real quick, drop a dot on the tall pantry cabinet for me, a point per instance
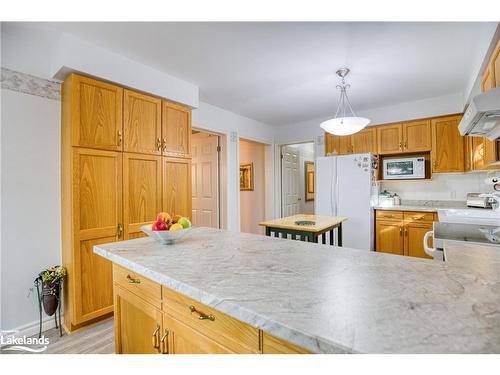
(124, 157)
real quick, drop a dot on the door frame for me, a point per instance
(221, 175)
(278, 181)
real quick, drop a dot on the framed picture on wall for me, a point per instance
(246, 177)
(309, 178)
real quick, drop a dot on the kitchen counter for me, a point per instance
(327, 299)
(422, 205)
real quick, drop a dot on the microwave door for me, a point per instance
(399, 169)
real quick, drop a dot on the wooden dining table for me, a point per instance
(306, 227)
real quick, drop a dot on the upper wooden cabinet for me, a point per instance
(176, 130)
(364, 141)
(390, 139)
(417, 136)
(141, 123)
(96, 113)
(447, 145)
(142, 192)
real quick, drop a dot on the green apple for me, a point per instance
(184, 221)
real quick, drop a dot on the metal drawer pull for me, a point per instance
(132, 280)
(154, 337)
(388, 215)
(164, 342)
(417, 217)
(201, 315)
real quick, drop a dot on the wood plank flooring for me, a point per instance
(97, 339)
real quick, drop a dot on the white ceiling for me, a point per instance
(281, 73)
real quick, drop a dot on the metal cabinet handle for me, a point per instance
(154, 337)
(164, 341)
(400, 231)
(164, 144)
(388, 215)
(406, 232)
(417, 218)
(201, 316)
(401, 146)
(405, 145)
(120, 138)
(119, 230)
(158, 144)
(132, 280)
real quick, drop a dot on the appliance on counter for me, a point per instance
(482, 117)
(470, 233)
(404, 168)
(347, 186)
(478, 200)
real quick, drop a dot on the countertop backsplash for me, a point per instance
(442, 187)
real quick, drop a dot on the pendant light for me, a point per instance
(345, 121)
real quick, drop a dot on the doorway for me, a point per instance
(297, 179)
(205, 175)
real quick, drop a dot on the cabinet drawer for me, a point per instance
(229, 332)
(137, 284)
(418, 216)
(274, 345)
(390, 215)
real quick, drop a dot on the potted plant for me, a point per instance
(51, 280)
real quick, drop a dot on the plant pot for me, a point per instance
(50, 296)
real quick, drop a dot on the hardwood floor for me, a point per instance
(97, 339)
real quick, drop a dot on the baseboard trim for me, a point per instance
(31, 329)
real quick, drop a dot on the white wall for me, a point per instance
(31, 223)
(252, 203)
(443, 186)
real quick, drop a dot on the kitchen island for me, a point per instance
(264, 293)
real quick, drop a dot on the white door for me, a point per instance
(205, 179)
(290, 181)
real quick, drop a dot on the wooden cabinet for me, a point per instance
(274, 345)
(390, 139)
(141, 123)
(364, 141)
(177, 186)
(338, 145)
(402, 233)
(95, 219)
(389, 237)
(96, 113)
(142, 192)
(114, 179)
(138, 324)
(417, 136)
(447, 145)
(176, 130)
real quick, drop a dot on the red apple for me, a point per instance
(159, 225)
(163, 216)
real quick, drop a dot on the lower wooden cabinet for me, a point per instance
(402, 233)
(151, 319)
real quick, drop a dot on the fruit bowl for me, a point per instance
(165, 237)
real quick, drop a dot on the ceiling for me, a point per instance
(282, 73)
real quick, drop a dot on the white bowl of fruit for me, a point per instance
(167, 229)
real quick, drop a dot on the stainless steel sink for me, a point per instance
(470, 216)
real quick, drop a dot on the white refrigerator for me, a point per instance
(347, 186)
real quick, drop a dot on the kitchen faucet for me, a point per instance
(495, 196)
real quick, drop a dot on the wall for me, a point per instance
(31, 227)
(252, 203)
(306, 153)
(443, 186)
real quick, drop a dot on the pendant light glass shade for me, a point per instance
(345, 121)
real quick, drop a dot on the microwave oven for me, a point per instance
(404, 168)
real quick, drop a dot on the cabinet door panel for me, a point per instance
(447, 145)
(343, 144)
(176, 130)
(97, 194)
(97, 111)
(142, 192)
(141, 123)
(389, 139)
(185, 340)
(137, 324)
(328, 144)
(414, 236)
(417, 136)
(177, 194)
(364, 141)
(389, 237)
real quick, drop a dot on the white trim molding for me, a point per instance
(28, 84)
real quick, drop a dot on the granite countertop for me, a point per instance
(327, 299)
(422, 205)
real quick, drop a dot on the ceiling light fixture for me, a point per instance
(345, 121)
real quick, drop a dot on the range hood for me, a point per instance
(482, 117)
